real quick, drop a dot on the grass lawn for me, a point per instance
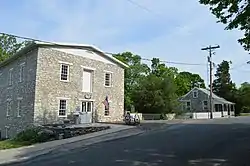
(8, 144)
(244, 114)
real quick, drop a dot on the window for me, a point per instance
(6, 132)
(62, 108)
(205, 105)
(188, 105)
(8, 109)
(10, 79)
(87, 106)
(87, 81)
(107, 81)
(195, 94)
(21, 73)
(64, 72)
(19, 107)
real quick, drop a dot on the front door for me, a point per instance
(86, 111)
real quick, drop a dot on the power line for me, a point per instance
(177, 63)
(143, 7)
(146, 59)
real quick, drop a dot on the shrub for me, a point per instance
(32, 135)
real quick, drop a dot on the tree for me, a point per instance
(133, 75)
(185, 81)
(244, 97)
(223, 85)
(9, 46)
(156, 93)
(234, 13)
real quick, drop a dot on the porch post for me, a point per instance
(222, 110)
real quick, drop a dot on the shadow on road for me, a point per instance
(191, 144)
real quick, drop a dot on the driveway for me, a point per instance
(195, 143)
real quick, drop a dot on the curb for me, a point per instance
(84, 142)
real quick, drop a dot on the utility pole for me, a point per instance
(210, 49)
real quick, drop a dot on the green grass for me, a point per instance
(8, 144)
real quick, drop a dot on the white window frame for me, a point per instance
(8, 107)
(21, 72)
(10, 77)
(188, 106)
(19, 106)
(195, 91)
(90, 69)
(203, 105)
(110, 78)
(86, 108)
(68, 70)
(66, 109)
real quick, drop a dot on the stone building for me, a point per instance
(49, 82)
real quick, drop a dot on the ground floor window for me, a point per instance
(6, 132)
(188, 105)
(62, 107)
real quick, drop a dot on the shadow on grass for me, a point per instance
(191, 144)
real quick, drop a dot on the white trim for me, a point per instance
(197, 95)
(10, 77)
(66, 109)
(86, 99)
(92, 106)
(195, 88)
(63, 98)
(88, 68)
(107, 71)
(7, 131)
(107, 116)
(66, 63)
(22, 64)
(21, 72)
(67, 72)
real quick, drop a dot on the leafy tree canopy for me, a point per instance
(9, 46)
(235, 14)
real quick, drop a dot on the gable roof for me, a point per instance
(37, 44)
(207, 92)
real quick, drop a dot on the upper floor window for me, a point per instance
(21, 72)
(108, 79)
(195, 94)
(10, 78)
(9, 106)
(64, 72)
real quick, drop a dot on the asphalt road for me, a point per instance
(198, 143)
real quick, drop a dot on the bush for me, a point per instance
(32, 135)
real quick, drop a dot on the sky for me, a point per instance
(170, 30)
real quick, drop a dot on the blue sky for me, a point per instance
(172, 31)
